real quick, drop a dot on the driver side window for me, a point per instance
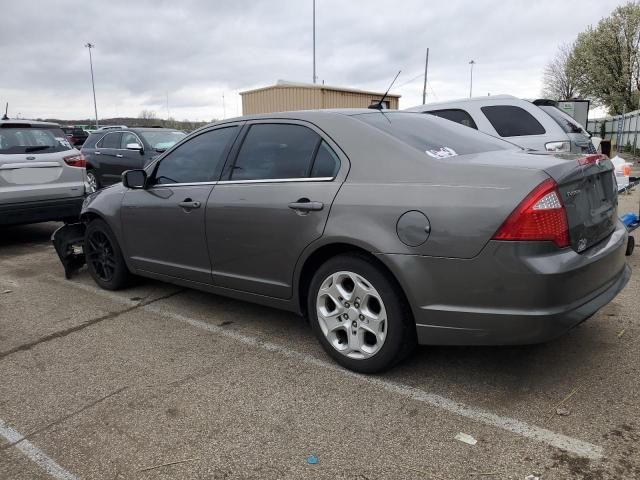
(197, 160)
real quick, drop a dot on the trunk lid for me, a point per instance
(587, 188)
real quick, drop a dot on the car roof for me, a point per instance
(29, 122)
(465, 101)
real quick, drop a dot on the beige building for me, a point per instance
(284, 96)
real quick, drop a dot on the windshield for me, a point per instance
(18, 138)
(437, 137)
(567, 123)
(163, 139)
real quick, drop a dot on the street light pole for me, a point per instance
(314, 42)
(472, 63)
(93, 86)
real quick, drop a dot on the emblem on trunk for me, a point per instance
(31, 158)
(572, 193)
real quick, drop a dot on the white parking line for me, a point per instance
(543, 435)
(34, 454)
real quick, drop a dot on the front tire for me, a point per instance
(104, 258)
(359, 315)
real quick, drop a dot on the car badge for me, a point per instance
(573, 193)
(31, 158)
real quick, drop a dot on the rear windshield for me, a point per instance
(32, 139)
(568, 124)
(162, 138)
(434, 136)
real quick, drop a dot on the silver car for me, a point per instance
(42, 177)
(544, 128)
(384, 229)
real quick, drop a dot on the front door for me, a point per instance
(273, 203)
(163, 224)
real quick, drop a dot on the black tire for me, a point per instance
(104, 258)
(400, 327)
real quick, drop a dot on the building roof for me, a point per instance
(317, 86)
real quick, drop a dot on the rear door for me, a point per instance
(273, 201)
(32, 164)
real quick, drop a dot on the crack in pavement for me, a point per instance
(63, 418)
(82, 326)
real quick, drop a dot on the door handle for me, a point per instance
(306, 205)
(119, 155)
(188, 204)
(97, 153)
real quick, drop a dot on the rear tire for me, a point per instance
(92, 180)
(104, 258)
(359, 315)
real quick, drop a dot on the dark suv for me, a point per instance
(110, 152)
(76, 135)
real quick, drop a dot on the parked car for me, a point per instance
(76, 136)
(361, 221)
(41, 174)
(545, 127)
(111, 151)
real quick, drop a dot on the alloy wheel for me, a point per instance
(101, 255)
(92, 181)
(351, 315)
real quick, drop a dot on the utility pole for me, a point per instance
(93, 86)
(424, 88)
(472, 63)
(224, 108)
(635, 135)
(314, 42)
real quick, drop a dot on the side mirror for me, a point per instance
(134, 146)
(160, 149)
(134, 178)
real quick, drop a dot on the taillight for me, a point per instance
(76, 160)
(591, 159)
(558, 146)
(540, 216)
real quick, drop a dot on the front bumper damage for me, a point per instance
(68, 241)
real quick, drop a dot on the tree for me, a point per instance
(607, 60)
(147, 115)
(560, 76)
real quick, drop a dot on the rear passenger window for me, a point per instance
(110, 140)
(275, 151)
(511, 121)
(455, 115)
(326, 164)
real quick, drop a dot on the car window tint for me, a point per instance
(127, 138)
(455, 115)
(197, 160)
(275, 151)
(433, 136)
(326, 163)
(110, 140)
(17, 138)
(512, 121)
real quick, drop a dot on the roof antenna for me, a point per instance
(378, 106)
(6, 109)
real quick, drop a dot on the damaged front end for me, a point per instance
(68, 241)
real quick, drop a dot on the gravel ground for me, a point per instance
(162, 382)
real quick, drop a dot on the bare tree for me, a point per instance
(147, 115)
(560, 77)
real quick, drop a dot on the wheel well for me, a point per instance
(87, 217)
(326, 252)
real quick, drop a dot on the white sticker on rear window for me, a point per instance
(64, 142)
(442, 152)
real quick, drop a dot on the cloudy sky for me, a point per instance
(197, 52)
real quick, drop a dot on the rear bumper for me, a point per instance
(512, 292)
(40, 211)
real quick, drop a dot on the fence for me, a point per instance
(621, 133)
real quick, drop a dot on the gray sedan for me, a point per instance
(384, 229)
